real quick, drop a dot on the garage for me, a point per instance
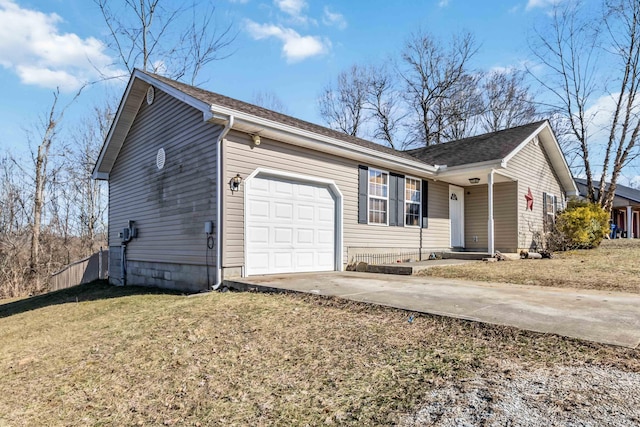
(290, 225)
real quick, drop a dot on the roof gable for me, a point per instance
(476, 149)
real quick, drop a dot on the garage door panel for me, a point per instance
(258, 235)
(282, 187)
(305, 236)
(258, 208)
(283, 211)
(282, 261)
(306, 212)
(290, 227)
(304, 260)
(283, 235)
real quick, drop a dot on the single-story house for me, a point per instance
(203, 188)
(625, 212)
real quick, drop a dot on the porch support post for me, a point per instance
(490, 229)
(629, 223)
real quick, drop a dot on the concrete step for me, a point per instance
(465, 255)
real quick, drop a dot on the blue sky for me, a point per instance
(291, 48)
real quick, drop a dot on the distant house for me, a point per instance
(625, 215)
(203, 188)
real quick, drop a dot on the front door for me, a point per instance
(456, 215)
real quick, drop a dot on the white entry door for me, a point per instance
(456, 215)
(290, 226)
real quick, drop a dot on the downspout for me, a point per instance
(490, 232)
(219, 178)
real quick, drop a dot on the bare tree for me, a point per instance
(384, 102)
(343, 107)
(269, 100)
(152, 35)
(458, 113)
(591, 58)
(507, 101)
(87, 194)
(623, 25)
(431, 74)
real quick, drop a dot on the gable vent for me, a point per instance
(151, 94)
(160, 158)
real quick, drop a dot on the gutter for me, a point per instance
(219, 177)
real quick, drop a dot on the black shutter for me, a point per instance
(400, 205)
(544, 205)
(393, 200)
(396, 200)
(363, 187)
(425, 204)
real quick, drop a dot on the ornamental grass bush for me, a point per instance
(582, 225)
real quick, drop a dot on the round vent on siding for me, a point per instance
(160, 158)
(150, 95)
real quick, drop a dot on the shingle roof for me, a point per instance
(621, 190)
(476, 149)
(234, 104)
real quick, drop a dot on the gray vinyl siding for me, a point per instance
(533, 170)
(504, 217)
(437, 234)
(169, 206)
(243, 157)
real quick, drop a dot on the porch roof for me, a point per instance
(476, 149)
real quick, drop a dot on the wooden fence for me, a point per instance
(82, 271)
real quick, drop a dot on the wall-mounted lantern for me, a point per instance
(234, 183)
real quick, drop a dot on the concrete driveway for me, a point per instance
(605, 317)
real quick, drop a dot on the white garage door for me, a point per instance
(290, 226)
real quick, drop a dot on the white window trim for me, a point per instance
(554, 202)
(419, 203)
(369, 196)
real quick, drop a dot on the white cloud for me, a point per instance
(295, 46)
(532, 4)
(443, 3)
(32, 47)
(291, 7)
(333, 19)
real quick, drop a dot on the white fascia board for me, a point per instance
(107, 140)
(524, 143)
(178, 94)
(470, 168)
(320, 142)
(100, 176)
(555, 152)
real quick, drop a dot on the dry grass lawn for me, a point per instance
(100, 355)
(614, 266)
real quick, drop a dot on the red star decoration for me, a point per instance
(529, 199)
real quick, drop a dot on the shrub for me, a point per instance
(582, 225)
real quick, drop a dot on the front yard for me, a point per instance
(101, 355)
(614, 266)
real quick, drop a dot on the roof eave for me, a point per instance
(248, 123)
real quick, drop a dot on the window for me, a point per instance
(378, 196)
(549, 211)
(412, 202)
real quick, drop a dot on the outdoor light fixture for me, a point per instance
(256, 139)
(474, 180)
(234, 183)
